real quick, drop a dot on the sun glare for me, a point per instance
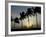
(27, 24)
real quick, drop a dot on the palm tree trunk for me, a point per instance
(14, 25)
(28, 19)
(33, 22)
(36, 21)
(21, 24)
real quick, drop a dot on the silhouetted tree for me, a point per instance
(22, 16)
(37, 10)
(29, 13)
(16, 20)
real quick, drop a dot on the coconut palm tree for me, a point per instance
(37, 10)
(29, 13)
(22, 16)
(16, 20)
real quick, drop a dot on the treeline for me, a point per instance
(30, 12)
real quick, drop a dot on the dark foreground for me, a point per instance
(25, 29)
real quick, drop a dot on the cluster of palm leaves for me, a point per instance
(30, 12)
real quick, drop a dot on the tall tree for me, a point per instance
(22, 16)
(37, 10)
(29, 13)
(16, 20)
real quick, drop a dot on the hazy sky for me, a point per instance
(15, 12)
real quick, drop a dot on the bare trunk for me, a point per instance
(32, 24)
(21, 24)
(28, 19)
(14, 25)
(36, 21)
(29, 22)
